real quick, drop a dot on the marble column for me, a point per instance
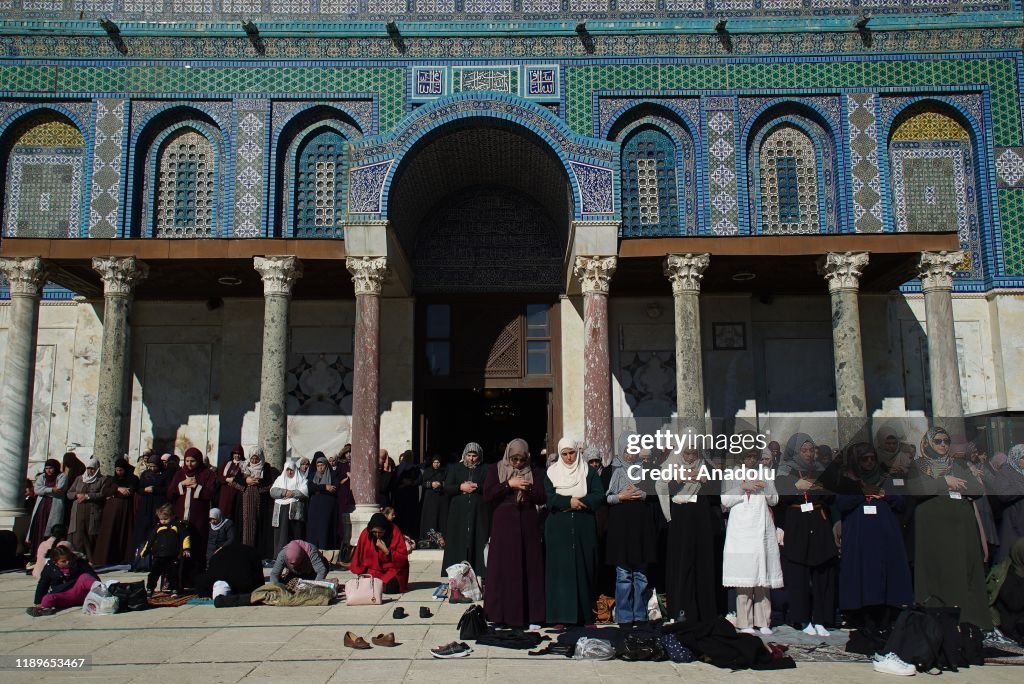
(595, 274)
(842, 270)
(26, 277)
(685, 271)
(279, 274)
(936, 270)
(368, 275)
(120, 275)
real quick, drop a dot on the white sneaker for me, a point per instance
(890, 663)
(766, 631)
(821, 631)
(748, 630)
(809, 629)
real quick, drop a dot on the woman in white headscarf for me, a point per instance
(88, 492)
(289, 492)
(574, 492)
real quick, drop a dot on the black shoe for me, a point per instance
(399, 613)
(452, 650)
(425, 612)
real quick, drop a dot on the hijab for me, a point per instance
(475, 448)
(196, 454)
(296, 555)
(793, 464)
(315, 476)
(506, 470)
(233, 466)
(379, 520)
(128, 479)
(933, 464)
(55, 465)
(215, 514)
(72, 466)
(295, 483)
(620, 469)
(91, 462)
(569, 480)
(254, 470)
(869, 477)
(1016, 453)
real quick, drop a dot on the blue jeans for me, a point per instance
(631, 594)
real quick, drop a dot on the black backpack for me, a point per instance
(916, 638)
(130, 596)
(972, 644)
(472, 624)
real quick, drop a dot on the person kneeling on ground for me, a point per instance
(382, 553)
(64, 583)
(298, 560)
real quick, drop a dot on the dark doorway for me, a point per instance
(490, 416)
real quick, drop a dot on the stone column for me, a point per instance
(842, 270)
(685, 271)
(279, 274)
(595, 273)
(368, 275)
(936, 270)
(120, 275)
(26, 277)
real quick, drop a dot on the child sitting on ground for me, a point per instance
(58, 537)
(168, 543)
(64, 582)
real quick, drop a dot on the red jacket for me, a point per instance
(369, 560)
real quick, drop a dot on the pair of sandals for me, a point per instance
(400, 614)
(359, 643)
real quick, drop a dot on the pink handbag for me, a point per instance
(364, 591)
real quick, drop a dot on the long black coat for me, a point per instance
(469, 519)
(434, 514)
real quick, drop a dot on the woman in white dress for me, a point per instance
(751, 561)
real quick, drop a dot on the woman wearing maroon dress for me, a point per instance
(227, 498)
(515, 563)
(114, 543)
(191, 490)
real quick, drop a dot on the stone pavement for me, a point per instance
(200, 643)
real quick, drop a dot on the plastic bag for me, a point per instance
(653, 609)
(99, 601)
(463, 580)
(594, 649)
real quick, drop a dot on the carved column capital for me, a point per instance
(842, 270)
(594, 273)
(120, 274)
(279, 273)
(936, 269)
(686, 271)
(368, 273)
(25, 275)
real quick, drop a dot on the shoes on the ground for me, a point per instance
(767, 631)
(425, 612)
(357, 642)
(455, 649)
(399, 613)
(809, 629)
(387, 640)
(997, 638)
(890, 663)
(37, 611)
(821, 631)
(748, 630)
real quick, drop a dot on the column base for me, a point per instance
(14, 520)
(360, 518)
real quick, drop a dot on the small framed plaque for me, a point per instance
(729, 336)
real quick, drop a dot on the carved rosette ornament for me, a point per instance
(279, 273)
(120, 274)
(25, 275)
(936, 269)
(368, 274)
(595, 273)
(686, 271)
(842, 270)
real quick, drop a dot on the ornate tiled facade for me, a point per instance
(865, 177)
(250, 144)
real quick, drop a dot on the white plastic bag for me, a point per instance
(99, 601)
(594, 649)
(464, 580)
(653, 609)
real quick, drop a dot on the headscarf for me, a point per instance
(691, 486)
(853, 454)
(476, 449)
(233, 466)
(1017, 557)
(55, 465)
(507, 470)
(380, 520)
(315, 476)
(933, 464)
(128, 479)
(620, 467)
(254, 470)
(592, 454)
(237, 449)
(296, 555)
(215, 514)
(569, 480)
(192, 452)
(91, 462)
(793, 464)
(154, 459)
(1016, 453)
(295, 483)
